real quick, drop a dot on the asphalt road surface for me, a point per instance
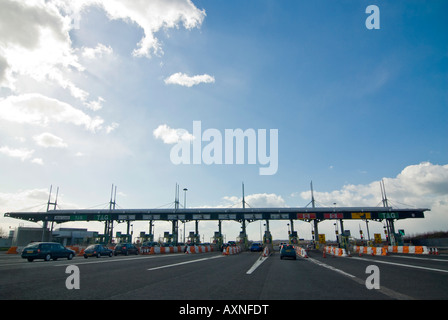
(212, 276)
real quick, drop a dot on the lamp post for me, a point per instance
(185, 207)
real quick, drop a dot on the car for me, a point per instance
(46, 251)
(125, 248)
(281, 245)
(288, 251)
(256, 246)
(97, 250)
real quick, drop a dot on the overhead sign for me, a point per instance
(333, 215)
(361, 215)
(305, 216)
(388, 215)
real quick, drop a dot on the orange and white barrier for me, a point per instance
(408, 249)
(374, 251)
(199, 249)
(336, 251)
(301, 252)
(161, 250)
(231, 250)
(266, 251)
(78, 250)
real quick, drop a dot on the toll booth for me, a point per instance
(122, 238)
(170, 238)
(293, 238)
(194, 238)
(145, 237)
(242, 240)
(101, 239)
(267, 238)
(344, 239)
(218, 240)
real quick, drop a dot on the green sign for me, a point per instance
(102, 217)
(388, 215)
(78, 217)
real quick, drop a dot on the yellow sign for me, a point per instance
(377, 238)
(361, 215)
(322, 238)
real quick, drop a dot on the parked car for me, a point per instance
(256, 246)
(126, 249)
(288, 251)
(97, 250)
(46, 251)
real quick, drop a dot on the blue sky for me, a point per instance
(351, 105)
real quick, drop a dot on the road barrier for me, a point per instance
(408, 249)
(13, 250)
(231, 250)
(176, 249)
(266, 252)
(199, 249)
(301, 252)
(340, 252)
(374, 251)
(161, 250)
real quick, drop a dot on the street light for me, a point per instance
(185, 207)
(185, 198)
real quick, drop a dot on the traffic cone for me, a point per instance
(324, 256)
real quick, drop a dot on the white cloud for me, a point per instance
(38, 161)
(35, 42)
(48, 140)
(95, 105)
(97, 52)
(41, 110)
(112, 127)
(424, 185)
(184, 80)
(172, 136)
(22, 154)
(152, 16)
(257, 200)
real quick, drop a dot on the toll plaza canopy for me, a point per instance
(239, 214)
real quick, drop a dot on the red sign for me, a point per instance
(333, 215)
(306, 216)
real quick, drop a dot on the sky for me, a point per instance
(95, 93)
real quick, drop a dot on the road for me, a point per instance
(212, 276)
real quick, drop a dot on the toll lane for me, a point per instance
(212, 276)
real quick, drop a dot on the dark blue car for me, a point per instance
(256, 247)
(46, 251)
(288, 251)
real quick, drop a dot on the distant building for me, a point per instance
(66, 236)
(73, 236)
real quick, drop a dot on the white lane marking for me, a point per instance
(182, 263)
(330, 267)
(109, 260)
(419, 258)
(386, 291)
(257, 264)
(401, 264)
